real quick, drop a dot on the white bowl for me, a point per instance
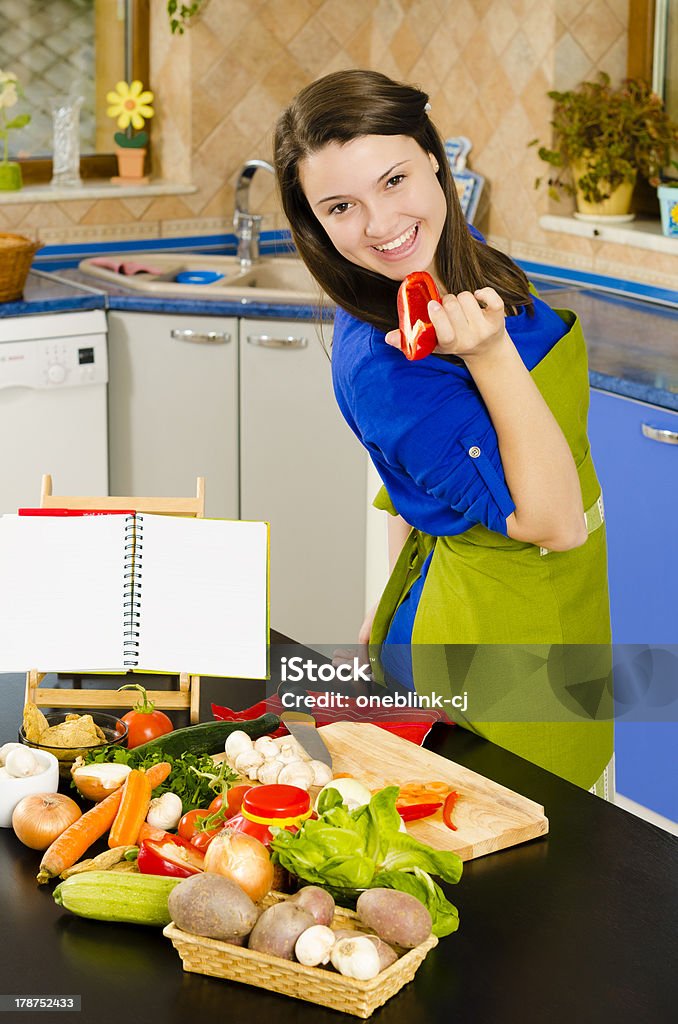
(14, 790)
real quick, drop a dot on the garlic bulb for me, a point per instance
(269, 771)
(296, 773)
(165, 811)
(267, 746)
(22, 763)
(322, 773)
(237, 743)
(248, 763)
(356, 958)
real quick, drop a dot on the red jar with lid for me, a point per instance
(283, 806)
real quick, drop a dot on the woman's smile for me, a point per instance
(379, 202)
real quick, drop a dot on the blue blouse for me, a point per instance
(428, 431)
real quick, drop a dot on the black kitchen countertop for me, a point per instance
(578, 926)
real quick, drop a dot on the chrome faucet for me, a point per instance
(246, 224)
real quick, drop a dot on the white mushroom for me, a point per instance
(296, 773)
(22, 763)
(289, 752)
(314, 945)
(322, 773)
(248, 763)
(267, 746)
(269, 771)
(237, 743)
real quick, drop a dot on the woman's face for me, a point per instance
(379, 201)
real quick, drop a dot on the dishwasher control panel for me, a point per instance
(49, 363)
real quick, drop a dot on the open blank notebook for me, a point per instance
(109, 593)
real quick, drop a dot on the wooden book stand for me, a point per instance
(188, 694)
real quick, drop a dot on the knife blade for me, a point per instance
(303, 728)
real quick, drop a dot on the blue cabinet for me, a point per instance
(639, 477)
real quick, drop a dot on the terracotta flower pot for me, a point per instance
(130, 166)
(617, 205)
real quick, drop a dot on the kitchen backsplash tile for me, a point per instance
(487, 65)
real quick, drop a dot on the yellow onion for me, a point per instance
(243, 859)
(40, 818)
(96, 781)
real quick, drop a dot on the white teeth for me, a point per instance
(398, 241)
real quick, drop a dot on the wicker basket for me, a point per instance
(313, 984)
(16, 255)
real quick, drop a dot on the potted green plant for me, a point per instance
(10, 91)
(130, 105)
(603, 137)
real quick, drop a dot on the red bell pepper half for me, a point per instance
(412, 812)
(174, 857)
(417, 333)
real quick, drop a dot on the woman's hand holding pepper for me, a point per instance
(467, 325)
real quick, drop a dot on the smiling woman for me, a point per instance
(499, 541)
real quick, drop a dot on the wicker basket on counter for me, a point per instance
(16, 256)
(312, 984)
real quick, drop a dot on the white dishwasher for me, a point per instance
(53, 415)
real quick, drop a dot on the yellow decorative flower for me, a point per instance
(674, 214)
(130, 104)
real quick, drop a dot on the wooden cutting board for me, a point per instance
(488, 816)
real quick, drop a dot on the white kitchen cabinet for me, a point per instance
(173, 406)
(302, 469)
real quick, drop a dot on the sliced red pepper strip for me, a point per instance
(450, 801)
(412, 812)
(173, 857)
(417, 333)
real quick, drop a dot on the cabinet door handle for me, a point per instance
(266, 341)
(201, 338)
(658, 434)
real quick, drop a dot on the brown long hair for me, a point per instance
(343, 106)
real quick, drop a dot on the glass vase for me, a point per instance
(66, 147)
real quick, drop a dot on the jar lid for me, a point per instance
(276, 801)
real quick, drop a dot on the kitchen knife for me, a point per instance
(303, 728)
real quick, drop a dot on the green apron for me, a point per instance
(525, 634)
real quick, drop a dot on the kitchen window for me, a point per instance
(82, 48)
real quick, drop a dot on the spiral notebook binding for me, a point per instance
(132, 583)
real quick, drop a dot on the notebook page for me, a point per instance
(204, 596)
(61, 593)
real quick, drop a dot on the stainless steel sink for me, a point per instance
(271, 279)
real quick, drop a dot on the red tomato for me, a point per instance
(201, 840)
(188, 825)
(143, 722)
(234, 797)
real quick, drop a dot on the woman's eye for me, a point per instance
(339, 208)
(395, 180)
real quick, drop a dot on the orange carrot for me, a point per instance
(151, 832)
(136, 799)
(78, 837)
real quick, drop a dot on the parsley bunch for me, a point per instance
(196, 779)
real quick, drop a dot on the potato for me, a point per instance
(387, 954)
(277, 930)
(317, 901)
(214, 906)
(397, 917)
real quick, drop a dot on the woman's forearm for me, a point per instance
(537, 461)
(398, 532)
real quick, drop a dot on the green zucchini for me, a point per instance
(108, 896)
(207, 737)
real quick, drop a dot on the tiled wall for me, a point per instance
(487, 65)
